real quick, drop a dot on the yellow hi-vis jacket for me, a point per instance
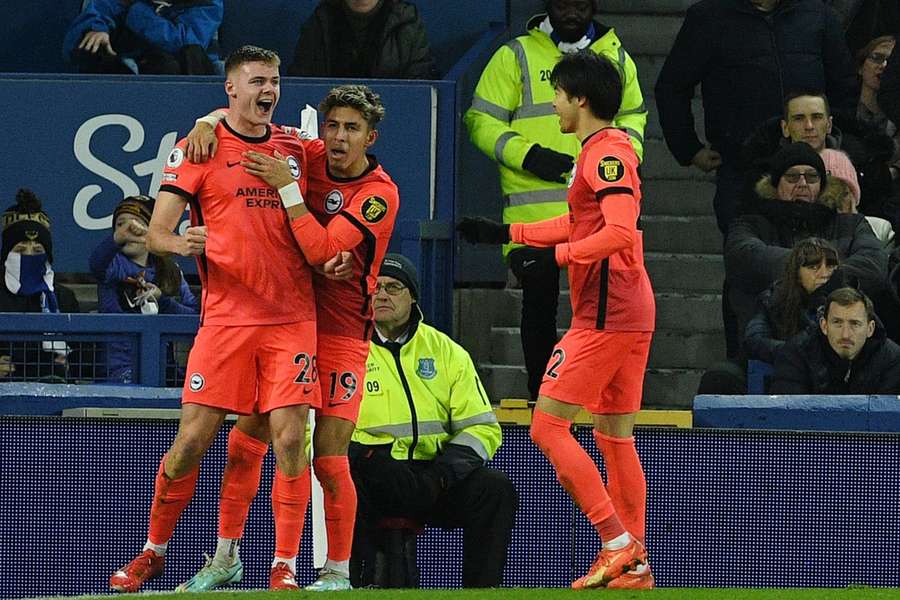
(513, 109)
(422, 395)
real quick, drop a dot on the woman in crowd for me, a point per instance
(790, 305)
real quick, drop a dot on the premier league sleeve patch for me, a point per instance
(175, 158)
(610, 169)
(373, 209)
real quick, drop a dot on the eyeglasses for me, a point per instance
(392, 289)
(878, 58)
(811, 177)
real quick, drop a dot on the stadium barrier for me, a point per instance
(726, 508)
(801, 412)
(157, 345)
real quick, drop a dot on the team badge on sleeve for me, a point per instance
(197, 382)
(374, 208)
(610, 169)
(294, 166)
(176, 157)
(334, 202)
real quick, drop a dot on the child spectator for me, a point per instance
(131, 280)
(28, 286)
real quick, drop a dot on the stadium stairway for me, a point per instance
(682, 244)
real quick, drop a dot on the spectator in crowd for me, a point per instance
(364, 38)
(163, 37)
(424, 434)
(871, 62)
(743, 53)
(788, 207)
(512, 121)
(889, 89)
(807, 118)
(27, 256)
(863, 20)
(790, 305)
(844, 195)
(849, 354)
(131, 280)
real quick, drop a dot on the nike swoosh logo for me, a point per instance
(306, 391)
(527, 263)
(232, 164)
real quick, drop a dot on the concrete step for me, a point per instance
(655, 7)
(702, 273)
(677, 197)
(663, 388)
(647, 34)
(653, 130)
(677, 235)
(660, 164)
(690, 312)
(670, 349)
(648, 68)
(686, 350)
(671, 388)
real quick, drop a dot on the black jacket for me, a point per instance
(761, 338)
(808, 365)
(759, 242)
(395, 45)
(870, 150)
(747, 61)
(889, 91)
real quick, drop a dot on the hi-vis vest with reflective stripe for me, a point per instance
(513, 109)
(446, 403)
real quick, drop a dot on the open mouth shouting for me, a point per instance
(264, 106)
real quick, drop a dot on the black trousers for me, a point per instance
(190, 60)
(483, 504)
(538, 274)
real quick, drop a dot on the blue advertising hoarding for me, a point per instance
(82, 144)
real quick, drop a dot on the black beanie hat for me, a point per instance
(798, 153)
(26, 222)
(141, 206)
(401, 268)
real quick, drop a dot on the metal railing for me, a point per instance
(78, 343)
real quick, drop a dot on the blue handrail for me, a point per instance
(152, 333)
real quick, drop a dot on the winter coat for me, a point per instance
(115, 294)
(870, 150)
(759, 242)
(747, 61)
(157, 26)
(328, 46)
(808, 365)
(761, 338)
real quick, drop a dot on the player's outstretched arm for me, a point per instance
(202, 142)
(161, 237)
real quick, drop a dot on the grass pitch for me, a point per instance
(861, 593)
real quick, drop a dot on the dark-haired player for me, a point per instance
(351, 205)
(599, 364)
